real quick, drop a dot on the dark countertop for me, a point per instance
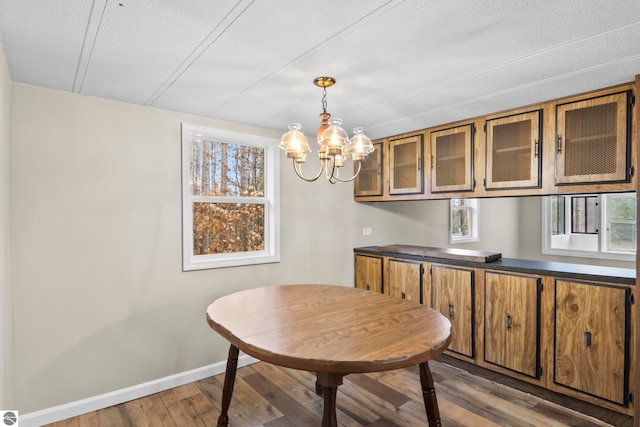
(625, 276)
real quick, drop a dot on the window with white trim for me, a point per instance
(590, 225)
(230, 199)
(463, 220)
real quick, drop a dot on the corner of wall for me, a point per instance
(6, 306)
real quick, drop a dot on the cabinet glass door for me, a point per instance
(369, 181)
(513, 151)
(452, 159)
(405, 165)
(592, 140)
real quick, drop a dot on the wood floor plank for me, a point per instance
(378, 406)
(248, 406)
(198, 404)
(113, 416)
(271, 396)
(179, 411)
(293, 388)
(296, 412)
(384, 392)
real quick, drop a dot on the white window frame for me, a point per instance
(597, 241)
(472, 213)
(271, 201)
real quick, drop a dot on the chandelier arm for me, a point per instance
(296, 167)
(354, 176)
(333, 177)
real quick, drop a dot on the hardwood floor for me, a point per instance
(270, 396)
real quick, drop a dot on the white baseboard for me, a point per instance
(73, 409)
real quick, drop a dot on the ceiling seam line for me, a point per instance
(193, 56)
(86, 67)
(331, 39)
(499, 65)
(520, 87)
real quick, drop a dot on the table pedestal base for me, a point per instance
(327, 384)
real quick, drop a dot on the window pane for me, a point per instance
(460, 222)
(224, 169)
(622, 208)
(592, 214)
(557, 215)
(578, 213)
(622, 237)
(584, 214)
(227, 228)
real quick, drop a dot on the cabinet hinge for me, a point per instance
(539, 371)
(632, 100)
(473, 129)
(485, 126)
(631, 171)
(630, 397)
(540, 286)
(474, 185)
(430, 271)
(484, 182)
(630, 298)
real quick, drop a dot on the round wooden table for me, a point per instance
(332, 331)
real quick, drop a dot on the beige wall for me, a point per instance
(100, 301)
(6, 383)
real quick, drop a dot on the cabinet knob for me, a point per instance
(404, 296)
(509, 321)
(587, 339)
(450, 310)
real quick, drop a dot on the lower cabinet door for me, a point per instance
(368, 273)
(452, 295)
(512, 313)
(405, 280)
(591, 339)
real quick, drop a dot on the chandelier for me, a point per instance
(335, 145)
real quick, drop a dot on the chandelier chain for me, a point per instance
(324, 99)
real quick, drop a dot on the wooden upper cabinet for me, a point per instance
(368, 273)
(592, 340)
(369, 181)
(513, 151)
(512, 316)
(452, 295)
(405, 165)
(593, 140)
(404, 280)
(452, 159)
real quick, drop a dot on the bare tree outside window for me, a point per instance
(230, 206)
(219, 169)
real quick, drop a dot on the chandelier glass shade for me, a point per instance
(335, 145)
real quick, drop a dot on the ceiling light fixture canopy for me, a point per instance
(335, 145)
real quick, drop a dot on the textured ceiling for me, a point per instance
(399, 65)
